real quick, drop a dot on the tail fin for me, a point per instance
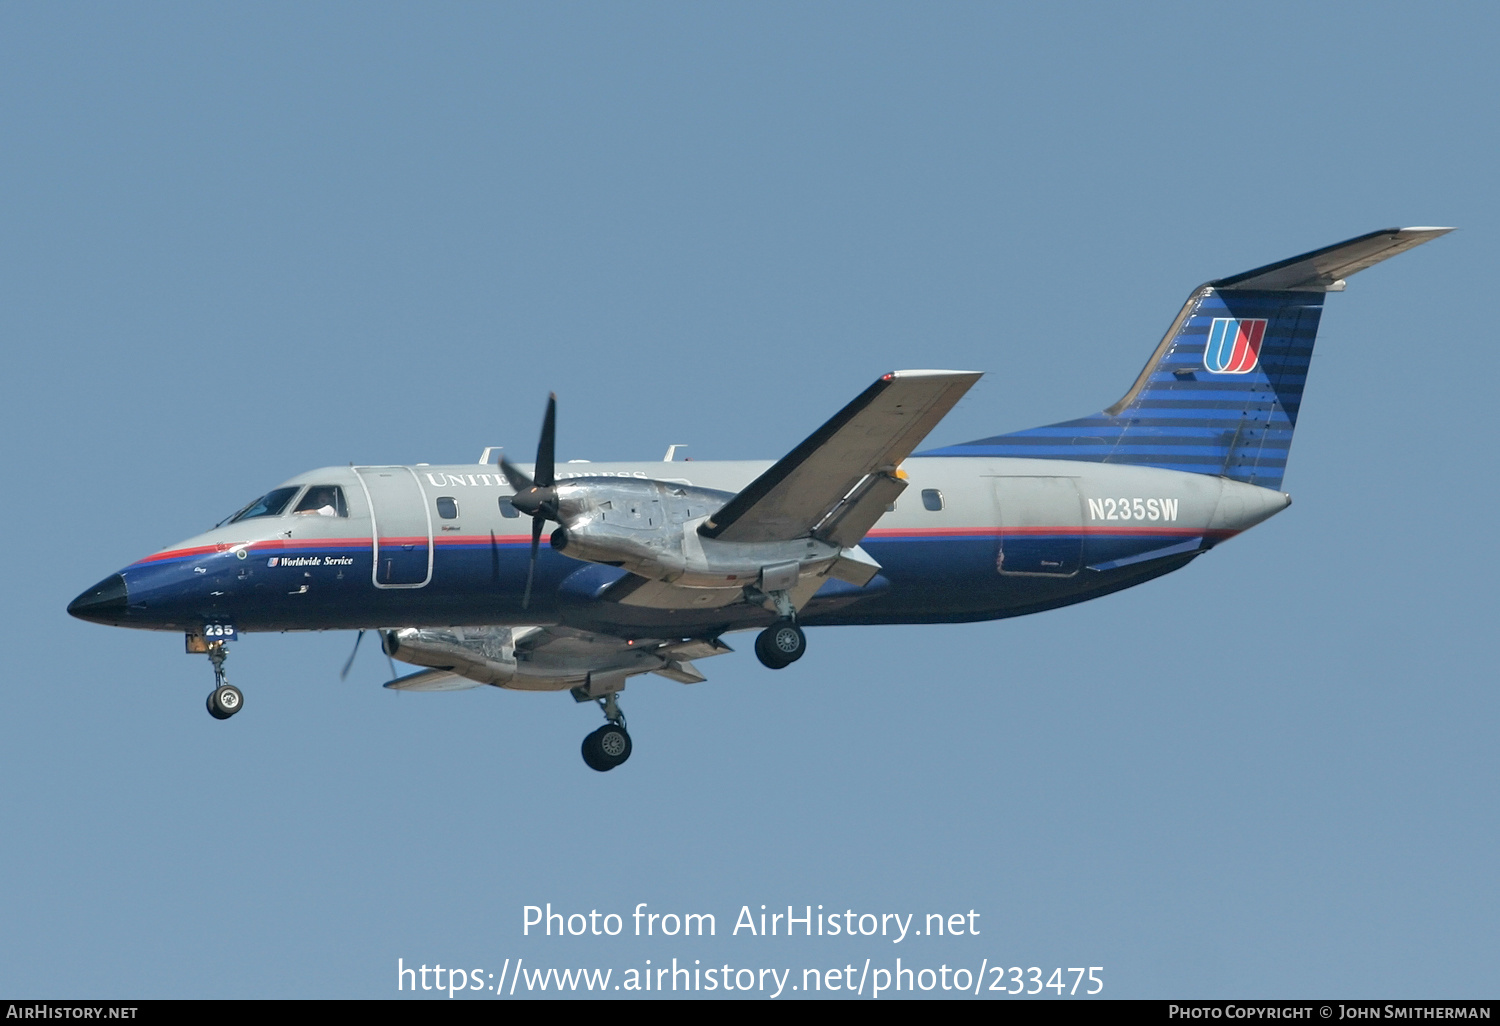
(1221, 393)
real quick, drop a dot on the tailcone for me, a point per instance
(1241, 506)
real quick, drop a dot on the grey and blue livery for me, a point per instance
(650, 565)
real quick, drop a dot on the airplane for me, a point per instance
(651, 564)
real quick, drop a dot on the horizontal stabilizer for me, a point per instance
(1324, 270)
(1179, 549)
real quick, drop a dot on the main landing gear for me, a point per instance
(609, 746)
(225, 700)
(780, 645)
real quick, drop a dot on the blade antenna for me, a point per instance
(344, 675)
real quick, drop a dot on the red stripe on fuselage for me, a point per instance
(879, 534)
(1087, 530)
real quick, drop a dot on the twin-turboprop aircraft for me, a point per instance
(651, 565)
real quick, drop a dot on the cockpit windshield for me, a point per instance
(268, 505)
(323, 500)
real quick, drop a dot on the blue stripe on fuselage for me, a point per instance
(933, 578)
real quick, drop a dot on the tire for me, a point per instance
(592, 757)
(606, 748)
(780, 645)
(225, 702)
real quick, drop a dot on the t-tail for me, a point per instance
(1221, 393)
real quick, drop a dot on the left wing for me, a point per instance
(846, 468)
(551, 658)
(433, 680)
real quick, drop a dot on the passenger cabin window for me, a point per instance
(323, 501)
(932, 499)
(447, 507)
(506, 509)
(268, 505)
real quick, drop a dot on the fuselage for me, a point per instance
(970, 539)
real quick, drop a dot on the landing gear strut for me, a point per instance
(225, 700)
(609, 746)
(780, 645)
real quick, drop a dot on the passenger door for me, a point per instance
(400, 528)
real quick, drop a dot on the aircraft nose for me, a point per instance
(105, 602)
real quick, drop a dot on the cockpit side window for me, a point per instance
(268, 505)
(323, 500)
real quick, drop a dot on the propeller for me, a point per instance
(344, 674)
(537, 497)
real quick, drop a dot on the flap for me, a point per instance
(682, 671)
(847, 525)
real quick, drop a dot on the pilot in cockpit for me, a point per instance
(320, 500)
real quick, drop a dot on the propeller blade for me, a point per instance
(344, 675)
(538, 497)
(546, 446)
(389, 660)
(536, 541)
(515, 475)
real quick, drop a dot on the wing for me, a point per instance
(846, 468)
(433, 680)
(553, 658)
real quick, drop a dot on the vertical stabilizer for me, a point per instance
(1222, 391)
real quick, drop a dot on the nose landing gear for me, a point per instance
(225, 700)
(609, 746)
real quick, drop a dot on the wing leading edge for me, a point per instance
(849, 462)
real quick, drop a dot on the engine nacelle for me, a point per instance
(486, 654)
(651, 528)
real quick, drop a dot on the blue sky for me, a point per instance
(240, 242)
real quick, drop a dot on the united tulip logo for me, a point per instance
(1234, 345)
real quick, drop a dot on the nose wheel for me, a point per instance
(225, 699)
(609, 746)
(780, 645)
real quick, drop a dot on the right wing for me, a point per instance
(848, 463)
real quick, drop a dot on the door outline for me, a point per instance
(1075, 556)
(375, 528)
